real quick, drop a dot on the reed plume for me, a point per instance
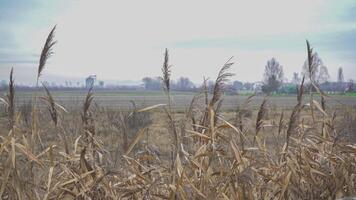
(261, 115)
(220, 81)
(51, 105)
(219, 86)
(11, 101)
(294, 118)
(86, 106)
(47, 51)
(310, 60)
(166, 71)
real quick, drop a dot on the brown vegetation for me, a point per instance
(100, 153)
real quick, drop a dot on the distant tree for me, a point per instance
(3, 84)
(319, 72)
(238, 85)
(209, 85)
(152, 83)
(53, 84)
(248, 86)
(183, 84)
(295, 79)
(101, 83)
(340, 75)
(288, 88)
(351, 86)
(273, 76)
(323, 75)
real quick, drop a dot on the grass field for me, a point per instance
(181, 100)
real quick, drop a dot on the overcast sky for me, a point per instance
(125, 40)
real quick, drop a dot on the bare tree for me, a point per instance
(238, 85)
(318, 73)
(340, 75)
(323, 75)
(184, 84)
(351, 86)
(152, 83)
(273, 76)
(295, 79)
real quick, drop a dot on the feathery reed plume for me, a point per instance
(243, 112)
(166, 70)
(323, 103)
(205, 87)
(220, 82)
(300, 91)
(280, 128)
(222, 78)
(45, 54)
(86, 106)
(310, 60)
(294, 118)
(191, 108)
(52, 105)
(46, 51)
(11, 101)
(52, 108)
(217, 110)
(280, 124)
(261, 115)
(311, 75)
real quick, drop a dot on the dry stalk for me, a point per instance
(10, 101)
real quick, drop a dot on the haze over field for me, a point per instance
(125, 40)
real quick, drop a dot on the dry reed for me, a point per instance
(211, 165)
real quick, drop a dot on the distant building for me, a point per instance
(90, 81)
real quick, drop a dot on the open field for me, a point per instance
(176, 146)
(127, 152)
(180, 100)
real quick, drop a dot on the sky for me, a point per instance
(125, 40)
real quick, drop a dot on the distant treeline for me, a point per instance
(184, 84)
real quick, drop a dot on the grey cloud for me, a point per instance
(10, 57)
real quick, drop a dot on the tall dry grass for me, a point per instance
(74, 155)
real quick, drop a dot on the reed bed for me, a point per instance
(306, 153)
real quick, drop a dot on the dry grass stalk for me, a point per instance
(294, 118)
(261, 115)
(52, 106)
(310, 61)
(312, 70)
(219, 86)
(205, 88)
(166, 74)
(86, 116)
(10, 101)
(47, 51)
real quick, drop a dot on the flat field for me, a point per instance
(274, 149)
(122, 99)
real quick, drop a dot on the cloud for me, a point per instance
(126, 39)
(15, 58)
